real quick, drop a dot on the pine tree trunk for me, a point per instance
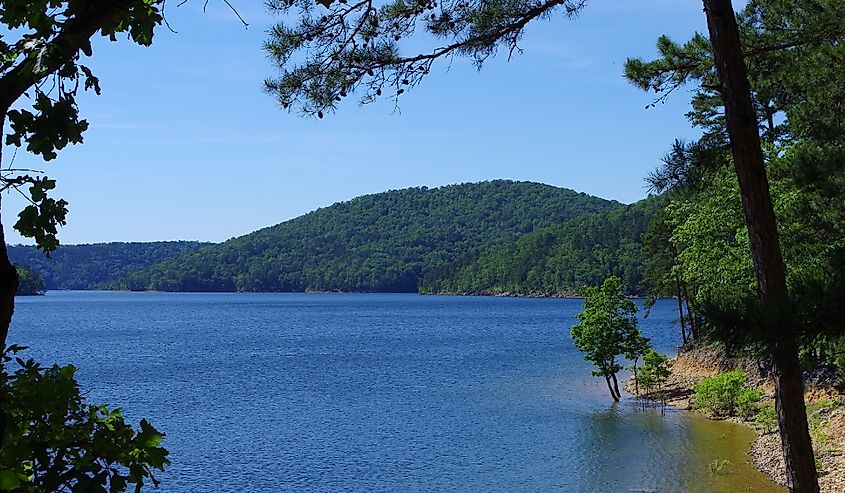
(769, 268)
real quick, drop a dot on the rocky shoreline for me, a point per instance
(826, 412)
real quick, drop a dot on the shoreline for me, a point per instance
(505, 294)
(825, 410)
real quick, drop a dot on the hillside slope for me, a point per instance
(95, 265)
(382, 242)
(560, 259)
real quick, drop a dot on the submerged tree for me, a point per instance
(607, 331)
(653, 374)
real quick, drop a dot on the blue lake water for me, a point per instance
(376, 393)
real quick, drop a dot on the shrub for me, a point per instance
(748, 402)
(767, 419)
(819, 427)
(53, 440)
(720, 395)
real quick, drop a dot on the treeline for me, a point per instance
(96, 265)
(560, 259)
(384, 242)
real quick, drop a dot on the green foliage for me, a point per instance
(607, 329)
(560, 259)
(767, 419)
(712, 254)
(30, 282)
(819, 427)
(383, 242)
(748, 402)
(718, 466)
(95, 266)
(656, 369)
(721, 395)
(52, 440)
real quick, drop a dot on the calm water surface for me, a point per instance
(376, 393)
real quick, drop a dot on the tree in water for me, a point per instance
(607, 331)
(653, 374)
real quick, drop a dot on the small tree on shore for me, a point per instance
(607, 331)
(652, 376)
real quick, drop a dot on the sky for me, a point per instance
(185, 145)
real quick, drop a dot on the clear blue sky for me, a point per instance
(184, 144)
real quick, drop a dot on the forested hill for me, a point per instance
(560, 259)
(382, 242)
(96, 265)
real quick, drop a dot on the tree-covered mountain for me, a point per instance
(560, 259)
(382, 242)
(94, 266)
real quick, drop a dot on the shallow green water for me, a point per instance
(685, 450)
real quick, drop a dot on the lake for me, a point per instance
(377, 393)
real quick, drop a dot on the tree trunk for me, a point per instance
(610, 388)
(8, 273)
(769, 268)
(8, 288)
(693, 323)
(616, 387)
(792, 417)
(636, 377)
(681, 311)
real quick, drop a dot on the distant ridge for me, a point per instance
(94, 266)
(385, 242)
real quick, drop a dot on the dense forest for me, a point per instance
(560, 259)
(94, 266)
(381, 242)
